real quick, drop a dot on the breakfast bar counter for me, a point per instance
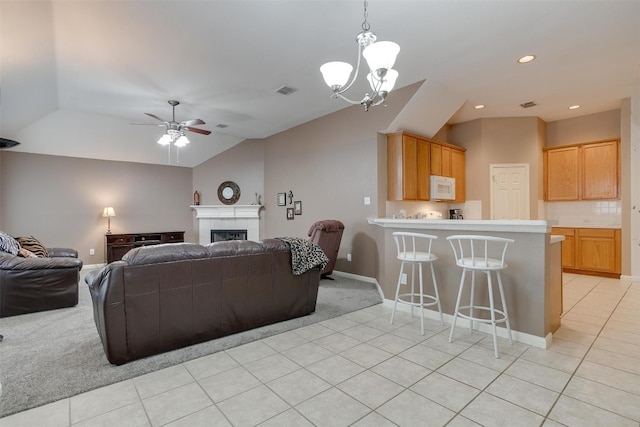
(532, 280)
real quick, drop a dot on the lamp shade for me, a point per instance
(165, 139)
(336, 73)
(389, 81)
(381, 55)
(108, 212)
(181, 141)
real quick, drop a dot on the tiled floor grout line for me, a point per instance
(584, 356)
(624, 294)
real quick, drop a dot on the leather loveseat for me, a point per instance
(163, 297)
(28, 285)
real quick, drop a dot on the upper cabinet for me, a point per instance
(407, 167)
(601, 170)
(582, 172)
(412, 159)
(458, 172)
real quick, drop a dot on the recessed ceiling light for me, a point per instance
(526, 58)
(479, 106)
(574, 107)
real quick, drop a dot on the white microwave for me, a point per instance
(443, 188)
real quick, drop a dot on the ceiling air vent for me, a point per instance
(286, 90)
(528, 104)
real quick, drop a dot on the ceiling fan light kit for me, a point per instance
(174, 131)
(380, 57)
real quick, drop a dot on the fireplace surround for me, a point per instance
(231, 217)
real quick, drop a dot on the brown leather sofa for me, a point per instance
(327, 234)
(28, 285)
(163, 297)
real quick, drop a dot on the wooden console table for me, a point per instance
(119, 244)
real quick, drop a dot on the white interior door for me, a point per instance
(510, 191)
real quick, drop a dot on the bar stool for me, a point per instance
(473, 253)
(415, 248)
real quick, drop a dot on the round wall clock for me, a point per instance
(228, 192)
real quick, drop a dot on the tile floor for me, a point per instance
(357, 370)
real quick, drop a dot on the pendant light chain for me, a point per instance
(365, 24)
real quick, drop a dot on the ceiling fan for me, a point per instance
(175, 130)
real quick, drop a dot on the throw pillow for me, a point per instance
(25, 253)
(32, 244)
(8, 244)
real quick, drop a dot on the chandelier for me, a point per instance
(380, 57)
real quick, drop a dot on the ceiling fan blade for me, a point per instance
(192, 122)
(196, 130)
(148, 124)
(154, 116)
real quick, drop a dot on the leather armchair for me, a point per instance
(327, 234)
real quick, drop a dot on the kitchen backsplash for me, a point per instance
(585, 213)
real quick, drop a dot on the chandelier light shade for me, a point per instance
(108, 212)
(336, 73)
(387, 84)
(380, 56)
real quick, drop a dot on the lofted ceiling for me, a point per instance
(75, 74)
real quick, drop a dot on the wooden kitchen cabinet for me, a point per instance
(582, 172)
(595, 251)
(598, 250)
(601, 170)
(407, 167)
(440, 160)
(568, 245)
(410, 163)
(458, 172)
(562, 174)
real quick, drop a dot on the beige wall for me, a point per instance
(498, 141)
(592, 127)
(331, 164)
(59, 200)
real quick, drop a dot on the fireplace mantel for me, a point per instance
(227, 217)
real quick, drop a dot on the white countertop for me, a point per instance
(513, 226)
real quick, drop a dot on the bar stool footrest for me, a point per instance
(433, 300)
(502, 319)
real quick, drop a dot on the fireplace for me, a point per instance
(228, 218)
(223, 235)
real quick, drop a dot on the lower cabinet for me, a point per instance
(594, 251)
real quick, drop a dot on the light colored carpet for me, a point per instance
(56, 354)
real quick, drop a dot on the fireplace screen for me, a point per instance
(223, 235)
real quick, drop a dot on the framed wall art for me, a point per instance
(297, 207)
(289, 213)
(282, 199)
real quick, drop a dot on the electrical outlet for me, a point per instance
(367, 200)
(92, 251)
(349, 257)
(403, 279)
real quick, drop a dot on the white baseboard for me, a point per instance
(632, 278)
(92, 266)
(521, 337)
(361, 278)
